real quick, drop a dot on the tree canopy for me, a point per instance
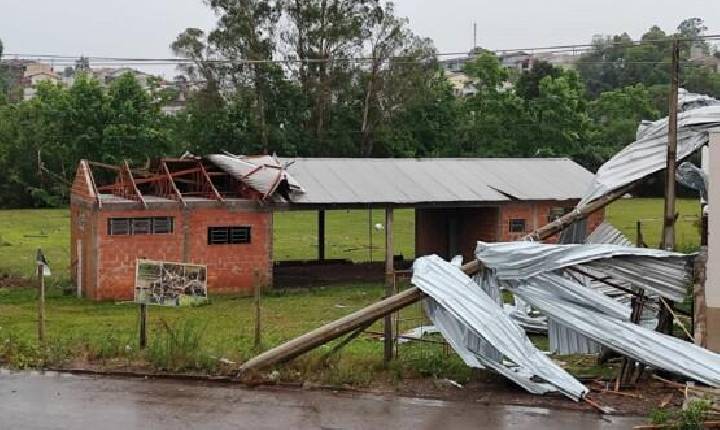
(341, 78)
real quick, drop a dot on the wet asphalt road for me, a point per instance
(60, 401)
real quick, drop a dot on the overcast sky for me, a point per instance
(145, 28)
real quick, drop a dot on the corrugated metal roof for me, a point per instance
(438, 180)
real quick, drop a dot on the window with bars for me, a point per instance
(140, 226)
(517, 226)
(228, 235)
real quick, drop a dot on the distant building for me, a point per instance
(32, 81)
(519, 61)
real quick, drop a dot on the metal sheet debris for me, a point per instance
(474, 325)
(648, 346)
(536, 273)
(661, 272)
(265, 174)
(647, 155)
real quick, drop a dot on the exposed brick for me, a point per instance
(230, 267)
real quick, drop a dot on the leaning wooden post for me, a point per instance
(389, 281)
(143, 325)
(41, 300)
(256, 303)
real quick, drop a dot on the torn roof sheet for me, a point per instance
(262, 173)
(662, 272)
(648, 153)
(435, 181)
(469, 316)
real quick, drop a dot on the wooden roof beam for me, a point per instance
(171, 183)
(209, 182)
(133, 186)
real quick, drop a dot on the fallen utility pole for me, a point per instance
(374, 312)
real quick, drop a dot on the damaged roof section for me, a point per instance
(264, 173)
(210, 180)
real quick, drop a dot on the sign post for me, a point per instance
(162, 283)
(43, 270)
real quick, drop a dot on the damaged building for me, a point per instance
(218, 210)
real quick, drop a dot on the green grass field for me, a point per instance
(22, 232)
(625, 213)
(295, 233)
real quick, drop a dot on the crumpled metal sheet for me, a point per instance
(563, 340)
(693, 177)
(661, 272)
(262, 173)
(607, 234)
(648, 153)
(647, 346)
(472, 321)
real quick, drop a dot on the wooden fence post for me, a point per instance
(143, 325)
(389, 281)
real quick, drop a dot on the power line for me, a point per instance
(555, 49)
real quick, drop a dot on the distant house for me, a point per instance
(32, 81)
(519, 61)
(32, 68)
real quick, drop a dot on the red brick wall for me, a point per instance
(83, 223)
(230, 267)
(82, 184)
(536, 214)
(432, 229)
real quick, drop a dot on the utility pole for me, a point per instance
(474, 36)
(665, 319)
(668, 238)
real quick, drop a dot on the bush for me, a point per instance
(691, 417)
(180, 347)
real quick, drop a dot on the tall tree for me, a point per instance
(324, 34)
(245, 36)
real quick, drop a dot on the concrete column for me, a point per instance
(321, 235)
(712, 283)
